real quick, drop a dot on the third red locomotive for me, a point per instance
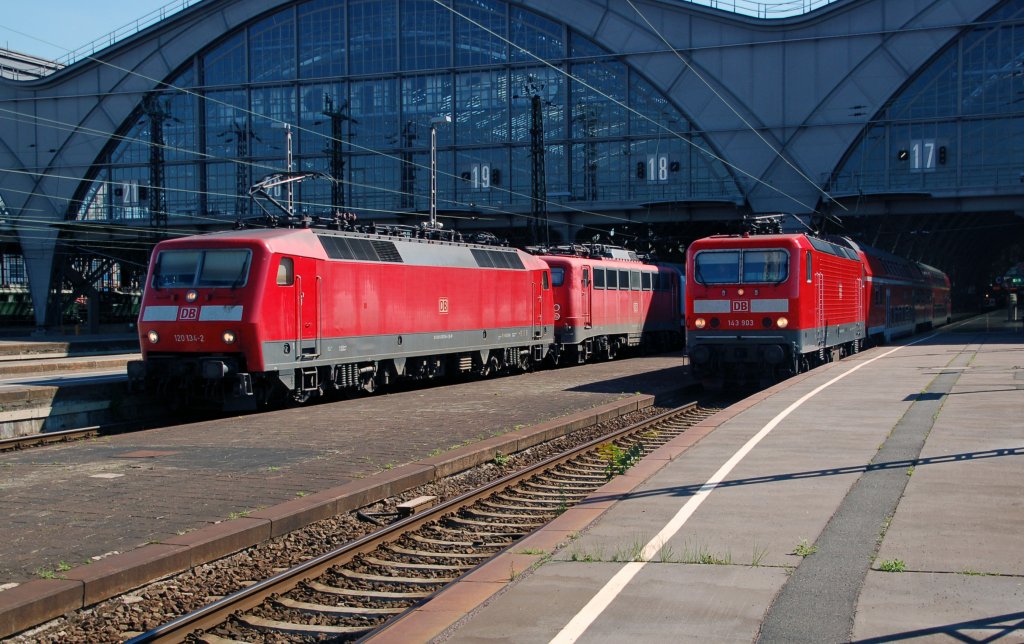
(765, 307)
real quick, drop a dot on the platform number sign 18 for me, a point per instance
(657, 167)
(442, 306)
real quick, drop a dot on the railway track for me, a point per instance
(49, 438)
(359, 587)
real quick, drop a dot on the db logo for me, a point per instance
(740, 306)
(189, 313)
(442, 305)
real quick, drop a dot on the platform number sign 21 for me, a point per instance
(442, 306)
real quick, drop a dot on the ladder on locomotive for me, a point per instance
(819, 316)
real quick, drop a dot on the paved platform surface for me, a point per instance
(162, 500)
(878, 499)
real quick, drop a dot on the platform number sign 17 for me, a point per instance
(442, 306)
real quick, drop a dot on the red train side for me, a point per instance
(605, 306)
(902, 296)
(769, 306)
(247, 316)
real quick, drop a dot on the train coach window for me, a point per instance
(599, 278)
(645, 278)
(634, 280)
(612, 281)
(557, 276)
(286, 272)
(623, 280)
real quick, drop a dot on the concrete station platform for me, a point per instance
(66, 382)
(777, 519)
(142, 505)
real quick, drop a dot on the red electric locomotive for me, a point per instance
(607, 301)
(770, 306)
(766, 307)
(242, 318)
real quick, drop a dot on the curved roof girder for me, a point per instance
(102, 92)
(807, 88)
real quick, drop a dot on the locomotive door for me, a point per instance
(307, 309)
(585, 298)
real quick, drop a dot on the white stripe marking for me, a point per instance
(583, 619)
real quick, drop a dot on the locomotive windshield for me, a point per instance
(741, 266)
(201, 268)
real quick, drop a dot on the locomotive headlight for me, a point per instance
(153, 336)
(740, 292)
(700, 323)
(191, 296)
(783, 323)
(229, 337)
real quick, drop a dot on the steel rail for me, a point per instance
(63, 436)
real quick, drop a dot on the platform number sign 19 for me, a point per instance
(442, 306)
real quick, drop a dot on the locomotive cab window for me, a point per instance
(765, 266)
(202, 268)
(742, 266)
(557, 276)
(286, 272)
(646, 277)
(545, 281)
(717, 267)
(808, 267)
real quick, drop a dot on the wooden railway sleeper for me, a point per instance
(337, 610)
(512, 519)
(384, 579)
(404, 565)
(477, 525)
(544, 483)
(543, 509)
(438, 555)
(261, 624)
(372, 594)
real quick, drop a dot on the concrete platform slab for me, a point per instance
(786, 495)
